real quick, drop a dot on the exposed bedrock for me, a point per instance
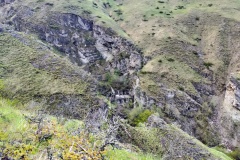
(82, 41)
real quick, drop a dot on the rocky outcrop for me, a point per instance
(229, 118)
(81, 40)
(156, 122)
(100, 51)
(4, 2)
(158, 137)
(234, 86)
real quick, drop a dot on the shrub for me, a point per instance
(141, 118)
(26, 136)
(181, 88)
(180, 7)
(170, 59)
(195, 53)
(118, 12)
(208, 64)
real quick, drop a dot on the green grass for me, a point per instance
(168, 69)
(11, 119)
(84, 8)
(219, 154)
(15, 127)
(20, 79)
(214, 152)
(118, 154)
(158, 140)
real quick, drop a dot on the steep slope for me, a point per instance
(29, 135)
(34, 72)
(107, 58)
(192, 48)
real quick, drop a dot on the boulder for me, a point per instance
(156, 122)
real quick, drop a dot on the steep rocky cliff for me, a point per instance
(182, 65)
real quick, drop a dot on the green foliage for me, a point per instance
(72, 125)
(25, 136)
(22, 138)
(134, 113)
(138, 115)
(235, 154)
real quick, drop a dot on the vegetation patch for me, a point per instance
(208, 64)
(138, 115)
(29, 136)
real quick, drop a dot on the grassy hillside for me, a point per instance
(19, 72)
(35, 135)
(90, 9)
(32, 71)
(156, 20)
(190, 49)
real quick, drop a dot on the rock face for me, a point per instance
(156, 122)
(167, 140)
(229, 117)
(4, 2)
(234, 86)
(100, 50)
(180, 108)
(81, 40)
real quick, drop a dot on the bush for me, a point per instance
(141, 118)
(208, 64)
(134, 113)
(170, 59)
(26, 136)
(181, 88)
